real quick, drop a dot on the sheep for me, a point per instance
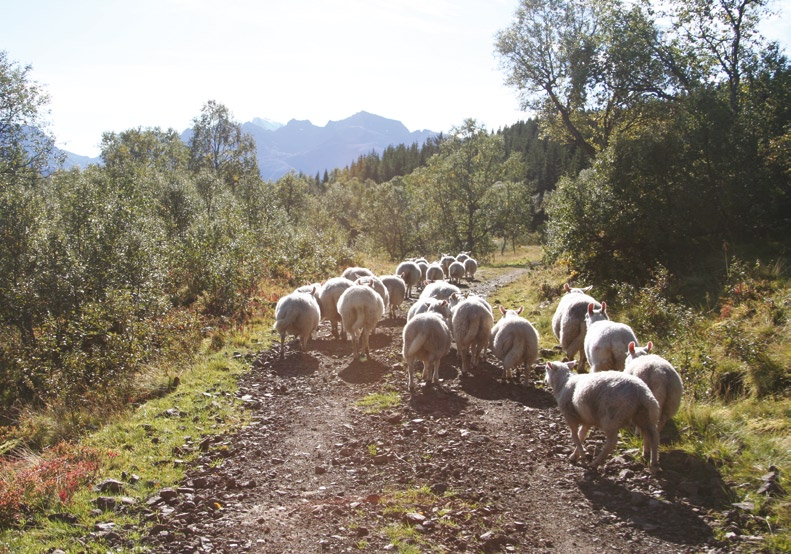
(456, 272)
(297, 313)
(411, 273)
(434, 272)
(568, 323)
(445, 261)
(606, 341)
(361, 308)
(354, 273)
(470, 267)
(426, 337)
(423, 265)
(378, 286)
(441, 290)
(313, 289)
(328, 302)
(396, 291)
(471, 325)
(660, 376)
(515, 340)
(429, 305)
(462, 256)
(608, 400)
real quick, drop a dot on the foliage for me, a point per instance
(34, 483)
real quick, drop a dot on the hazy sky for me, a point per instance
(112, 65)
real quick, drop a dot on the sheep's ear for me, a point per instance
(604, 307)
(587, 289)
(590, 308)
(566, 287)
(631, 348)
(649, 346)
(519, 311)
(502, 310)
(572, 364)
(443, 303)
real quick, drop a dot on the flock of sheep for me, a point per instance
(627, 384)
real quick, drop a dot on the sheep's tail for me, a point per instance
(472, 331)
(359, 321)
(284, 323)
(417, 343)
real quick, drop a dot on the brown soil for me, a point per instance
(314, 472)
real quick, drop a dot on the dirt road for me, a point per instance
(474, 465)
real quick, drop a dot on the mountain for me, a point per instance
(303, 147)
(306, 148)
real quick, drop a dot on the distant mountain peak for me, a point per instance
(266, 123)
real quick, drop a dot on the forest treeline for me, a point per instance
(654, 148)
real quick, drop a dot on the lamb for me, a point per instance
(378, 286)
(396, 291)
(434, 272)
(660, 376)
(515, 341)
(354, 273)
(606, 341)
(471, 325)
(456, 272)
(423, 265)
(470, 267)
(411, 274)
(568, 323)
(609, 400)
(426, 337)
(445, 262)
(328, 302)
(297, 313)
(361, 308)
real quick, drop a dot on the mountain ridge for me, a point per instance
(303, 147)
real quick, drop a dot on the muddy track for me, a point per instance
(314, 472)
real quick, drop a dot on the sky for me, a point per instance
(113, 65)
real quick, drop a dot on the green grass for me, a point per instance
(378, 402)
(152, 443)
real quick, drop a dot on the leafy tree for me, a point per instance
(144, 149)
(458, 184)
(586, 66)
(219, 146)
(27, 150)
(292, 192)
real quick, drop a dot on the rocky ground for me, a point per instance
(472, 465)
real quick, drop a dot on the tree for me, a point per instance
(140, 149)
(458, 183)
(585, 65)
(26, 148)
(218, 145)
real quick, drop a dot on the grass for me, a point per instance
(379, 402)
(156, 440)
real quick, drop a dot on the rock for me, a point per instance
(168, 493)
(111, 486)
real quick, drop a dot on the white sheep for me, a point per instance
(426, 337)
(456, 272)
(515, 341)
(423, 305)
(361, 308)
(441, 290)
(423, 265)
(462, 256)
(606, 341)
(608, 400)
(568, 323)
(396, 291)
(434, 272)
(354, 273)
(660, 376)
(297, 313)
(470, 267)
(445, 261)
(411, 274)
(378, 286)
(328, 302)
(471, 325)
